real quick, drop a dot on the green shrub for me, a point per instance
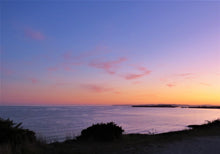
(101, 132)
(14, 133)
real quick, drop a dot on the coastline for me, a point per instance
(205, 136)
(144, 120)
(178, 106)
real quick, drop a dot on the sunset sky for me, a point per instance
(55, 53)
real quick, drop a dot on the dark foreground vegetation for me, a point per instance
(101, 132)
(99, 138)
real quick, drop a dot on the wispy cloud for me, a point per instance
(97, 51)
(96, 88)
(177, 76)
(117, 92)
(66, 66)
(131, 76)
(184, 74)
(34, 34)
(205, 84)
(170, 85)
(6, 71)
(67, 55)
(34, 80)
(136, 82)
(107, 66)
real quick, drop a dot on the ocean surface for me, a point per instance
(57, 123)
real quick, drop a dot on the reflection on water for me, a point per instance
(58, 122)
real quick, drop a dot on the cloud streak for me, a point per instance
(34, 80)
(170, 85)
(96, 88)
(33, 34)
(205, 84)
(184, 74)
(131, 76)
(6, 71)
(108, 66)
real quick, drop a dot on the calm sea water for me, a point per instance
(56, 123)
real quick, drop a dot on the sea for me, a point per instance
(58, 123)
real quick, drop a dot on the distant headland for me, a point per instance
(178, 106)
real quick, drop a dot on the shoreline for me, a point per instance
(196, 136)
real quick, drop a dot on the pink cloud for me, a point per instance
(144, 69)
(117, 92)
(33, 34)
(67, 68)
(170, 85)
(6, 71)
(133, 76)
(34, 80)
(67, 55)
(96, 88)
(99, 50)
(107, 66)
(75, 60)
(137, 82)
(205, 84)
(184, 74)
(144, 72)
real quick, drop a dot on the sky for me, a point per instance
(109, 52)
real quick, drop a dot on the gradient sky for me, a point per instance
(110, 52)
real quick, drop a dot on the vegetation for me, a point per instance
(14, 133)
(16, 140)
(208, 125)
(101, 132)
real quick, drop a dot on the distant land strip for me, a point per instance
(179, 106)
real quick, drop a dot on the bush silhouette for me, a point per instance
(13, 133)
(101, 132)
(209, 124)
